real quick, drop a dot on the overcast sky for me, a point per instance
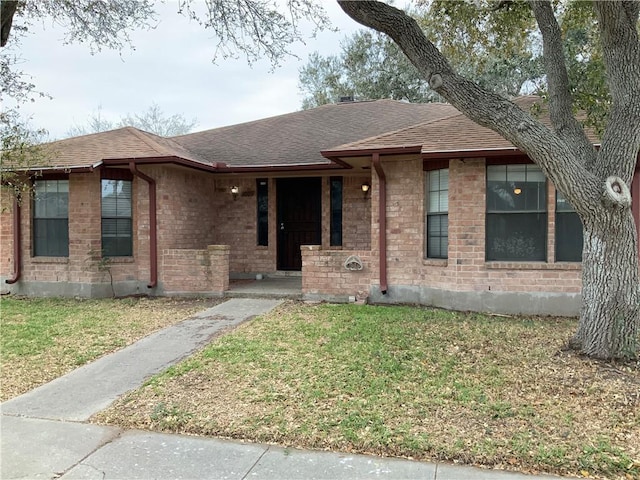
(170, 66)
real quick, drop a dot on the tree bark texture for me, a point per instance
(7, 11)
(608, 325)
(610, 315)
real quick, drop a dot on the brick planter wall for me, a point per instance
(192, 271)
(324, 276)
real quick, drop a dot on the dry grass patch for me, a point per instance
(409, 382)
(43, 339)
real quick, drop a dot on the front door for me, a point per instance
(299, 213)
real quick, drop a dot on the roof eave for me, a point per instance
(471, 153)
(280, 168)
(213, 167)
(337, 155)
(56, 169)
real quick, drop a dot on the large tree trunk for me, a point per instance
(608, 326)
(610, 316)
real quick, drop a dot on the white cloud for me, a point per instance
(171, 65)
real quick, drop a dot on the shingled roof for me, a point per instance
(114, 146)
(290, 140)
(298, 138)
(442, 138)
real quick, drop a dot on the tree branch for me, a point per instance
(560, 101)
(617, 22)
(550, 151)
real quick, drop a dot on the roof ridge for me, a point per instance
(76, 137)
(298, 112)
(395, 132)
(441, 119)
(168, 146)
(155, 145)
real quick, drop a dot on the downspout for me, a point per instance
(153, 226)
(382, 216)
(16, 242)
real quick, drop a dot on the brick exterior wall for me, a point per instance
(356, 214)
(196, 210)
(80, 265)
(185, 221)
(465, 269)
(236, 225)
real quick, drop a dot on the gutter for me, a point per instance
(153, 224)
(67, 169)
(382, 217)
(16, 242)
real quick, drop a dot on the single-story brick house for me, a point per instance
(386, 200)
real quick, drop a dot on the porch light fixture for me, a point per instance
(517, 190)
(234, 191)
(365, 189)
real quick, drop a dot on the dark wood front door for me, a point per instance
(299, 213)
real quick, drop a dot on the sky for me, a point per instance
(171, 66)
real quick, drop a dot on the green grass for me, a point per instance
(408, 382)
(41, 339)
(30, 328)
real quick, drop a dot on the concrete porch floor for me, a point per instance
(269, 287)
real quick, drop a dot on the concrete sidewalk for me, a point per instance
(42, 434)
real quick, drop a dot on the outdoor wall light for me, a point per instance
(365, 189)
(517, 190)
(234, 191)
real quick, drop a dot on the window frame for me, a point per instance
(52, 225)
(262, 212)
(336, 189)
(119, 218)
(568, 216)
(539, 215)
(439, 213)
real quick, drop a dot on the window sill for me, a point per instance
(60, 260)
(435, 262)
(117, 260)
(533, 265)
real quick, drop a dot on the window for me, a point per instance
(437, 225)
(336, 211)
(568, 231)
(516, 227)
(262, 187)
(117, 225)
(51, 218)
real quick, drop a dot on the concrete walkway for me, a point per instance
(42, 434)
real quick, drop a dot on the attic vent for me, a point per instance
(348, 98)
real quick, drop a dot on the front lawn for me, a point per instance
(42, 339)
(402, 381)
